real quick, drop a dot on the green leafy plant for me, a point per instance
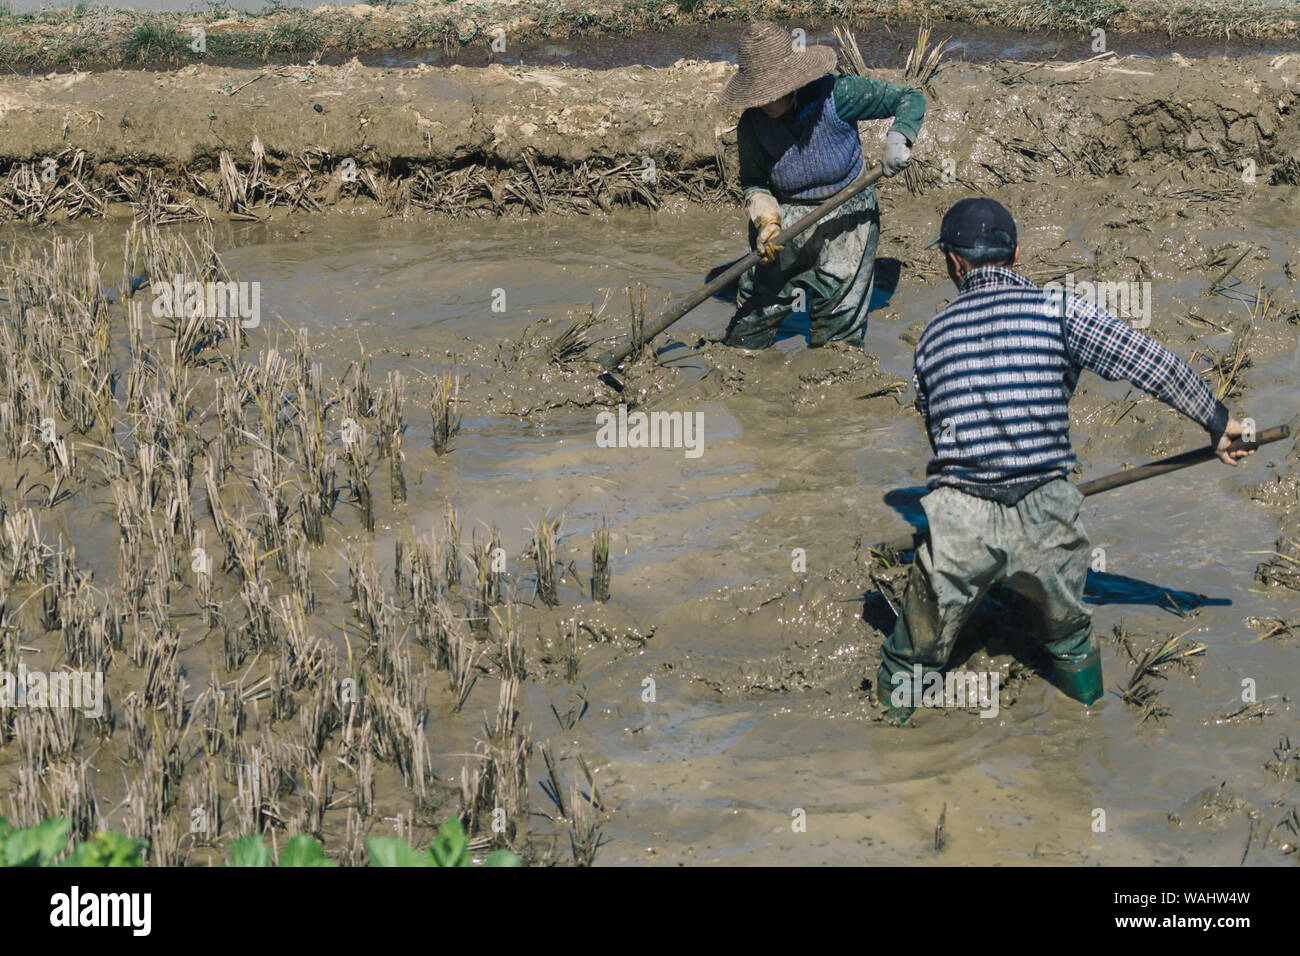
(44, 843)
(249, 851)
(302, 850)
(33, 846)
(449, 848)
(108, 848)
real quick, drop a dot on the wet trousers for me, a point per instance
(1037, 547)
(827, 270)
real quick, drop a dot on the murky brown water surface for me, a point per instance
(759, 711)
(883, 46)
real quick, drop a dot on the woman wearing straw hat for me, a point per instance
(799, 145)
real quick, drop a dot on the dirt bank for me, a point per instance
(206, 141)
(87, 36)
(726, 684)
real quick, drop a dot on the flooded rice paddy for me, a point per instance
(338, 566)
(719, 692)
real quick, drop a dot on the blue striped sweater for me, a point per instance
(825, 158)
(995, 370)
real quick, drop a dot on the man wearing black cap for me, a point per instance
(995, 370)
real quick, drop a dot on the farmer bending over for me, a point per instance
(995, 370)
(798, 141)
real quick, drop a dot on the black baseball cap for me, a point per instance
(977, 224)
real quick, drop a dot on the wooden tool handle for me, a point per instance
(1126, 477)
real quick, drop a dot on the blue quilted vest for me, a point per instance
(824, 159)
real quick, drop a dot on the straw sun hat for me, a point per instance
(770, 67)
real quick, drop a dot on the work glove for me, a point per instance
(765, 214)
(897, 153)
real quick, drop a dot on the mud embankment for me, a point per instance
(210, 142)
(85, 36)
(761, 665)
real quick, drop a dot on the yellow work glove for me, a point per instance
(768, 227)
(765, 214)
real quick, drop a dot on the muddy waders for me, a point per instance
(1037, 547)
(828, 270)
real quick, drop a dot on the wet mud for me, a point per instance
(216, 143)
(725, 687)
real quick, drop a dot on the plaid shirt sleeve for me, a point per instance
(1099, 341)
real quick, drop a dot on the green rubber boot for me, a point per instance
(1081, 679)
(895, 659)
(898, 714)
(895, 713)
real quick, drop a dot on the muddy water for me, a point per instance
(758, 709)
(883, 46)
